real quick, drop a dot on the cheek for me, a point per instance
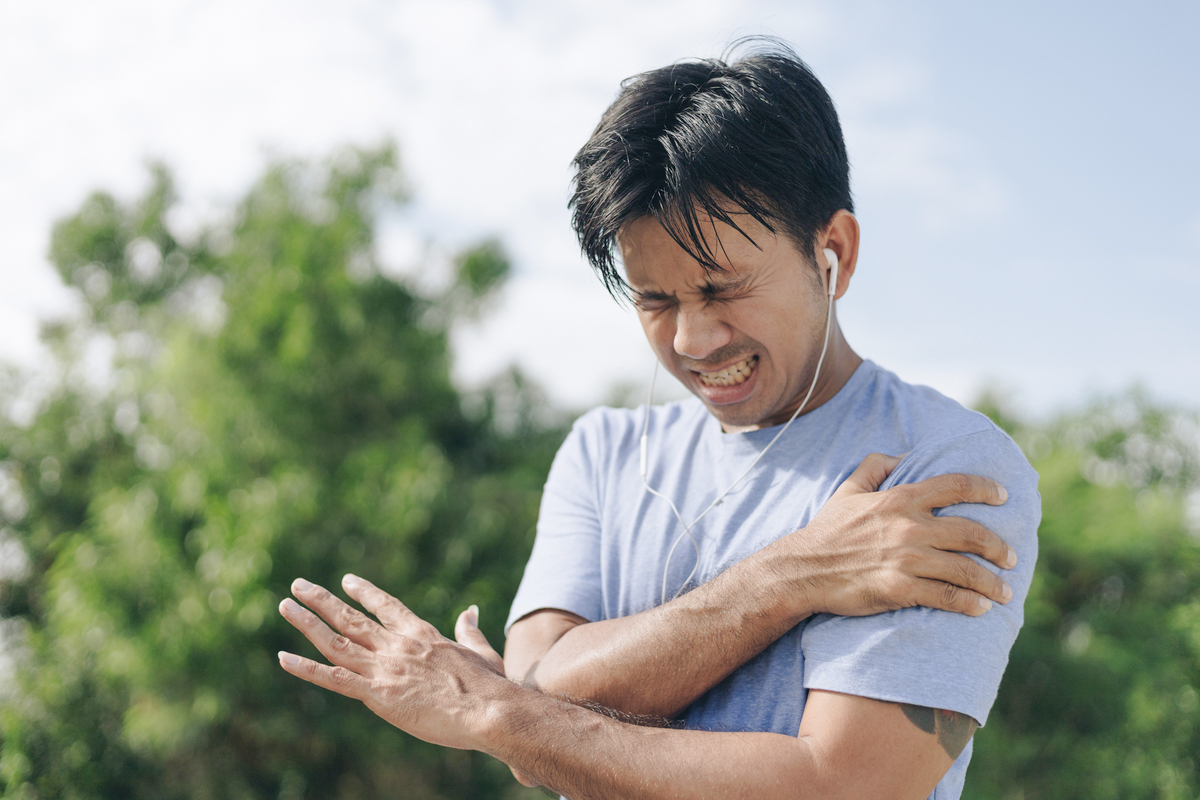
(659, 330)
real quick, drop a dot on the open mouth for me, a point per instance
(730, 376)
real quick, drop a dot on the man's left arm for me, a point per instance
(454, 694)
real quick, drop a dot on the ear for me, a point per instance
(840, 236)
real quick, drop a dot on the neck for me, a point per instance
(840, 363)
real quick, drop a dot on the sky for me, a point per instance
(1025, 173)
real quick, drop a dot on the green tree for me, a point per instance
(1100, 699)
(277, 408)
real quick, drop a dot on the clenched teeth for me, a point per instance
(730, 376)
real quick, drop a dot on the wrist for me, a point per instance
(500, 713)
(510, 718)
(760, 596)
(524, 728)
(788, 582)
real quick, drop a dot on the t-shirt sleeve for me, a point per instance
(564, 568)
(923, 656)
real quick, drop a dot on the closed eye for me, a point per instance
(652, 301)
(725, 292)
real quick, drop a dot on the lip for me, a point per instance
(726, 395)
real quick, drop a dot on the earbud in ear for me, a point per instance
(831, 257)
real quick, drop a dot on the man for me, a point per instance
(822, 638)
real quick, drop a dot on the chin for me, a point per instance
(733, 417)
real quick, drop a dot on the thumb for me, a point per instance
(872, 472)
(467, 633)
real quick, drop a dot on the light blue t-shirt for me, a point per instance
(602, 542)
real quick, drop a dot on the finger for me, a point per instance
(956, 487)
(867, 477)
(336, 679)
(968, 536)
(348, 621)
(961, 571)
(948, 597)
(467, 633)
(333, 646)
(390, 611)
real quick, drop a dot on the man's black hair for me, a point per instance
(709, 138)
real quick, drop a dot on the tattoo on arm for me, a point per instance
(953, 729)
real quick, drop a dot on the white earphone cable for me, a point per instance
(687, 529)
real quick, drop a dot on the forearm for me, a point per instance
(454, 694)
(659, 661)
(587, 756)
(866, 552)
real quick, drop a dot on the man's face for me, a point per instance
(746, 340)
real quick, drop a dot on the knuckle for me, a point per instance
(909, 560)
(340, 676)
(961, 485)
(950, 595)
(907, 499)
(966, 574)
(905, 532)
(350, 619)
(975, 536)
(340, 645)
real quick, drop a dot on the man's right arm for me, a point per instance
(865, 552)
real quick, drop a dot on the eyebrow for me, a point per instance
(651, 295)
(708, 289)
(731, 286)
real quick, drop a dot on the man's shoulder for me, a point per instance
(924, 413)
(939, 433)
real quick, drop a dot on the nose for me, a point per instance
(699, 332)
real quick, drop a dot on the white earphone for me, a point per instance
(832, 259)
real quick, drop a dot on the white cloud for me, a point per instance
(488, 100)
(901, 157)
(572, 338)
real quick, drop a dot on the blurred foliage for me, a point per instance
(1101, 698)
(277, 408)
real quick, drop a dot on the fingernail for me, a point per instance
(289, 606)
(984, 603)
(301, 585)
(473, 610)
(1012, 558)
(1003, 494)
(350, 581)
(1006, 593)
(288, 660)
